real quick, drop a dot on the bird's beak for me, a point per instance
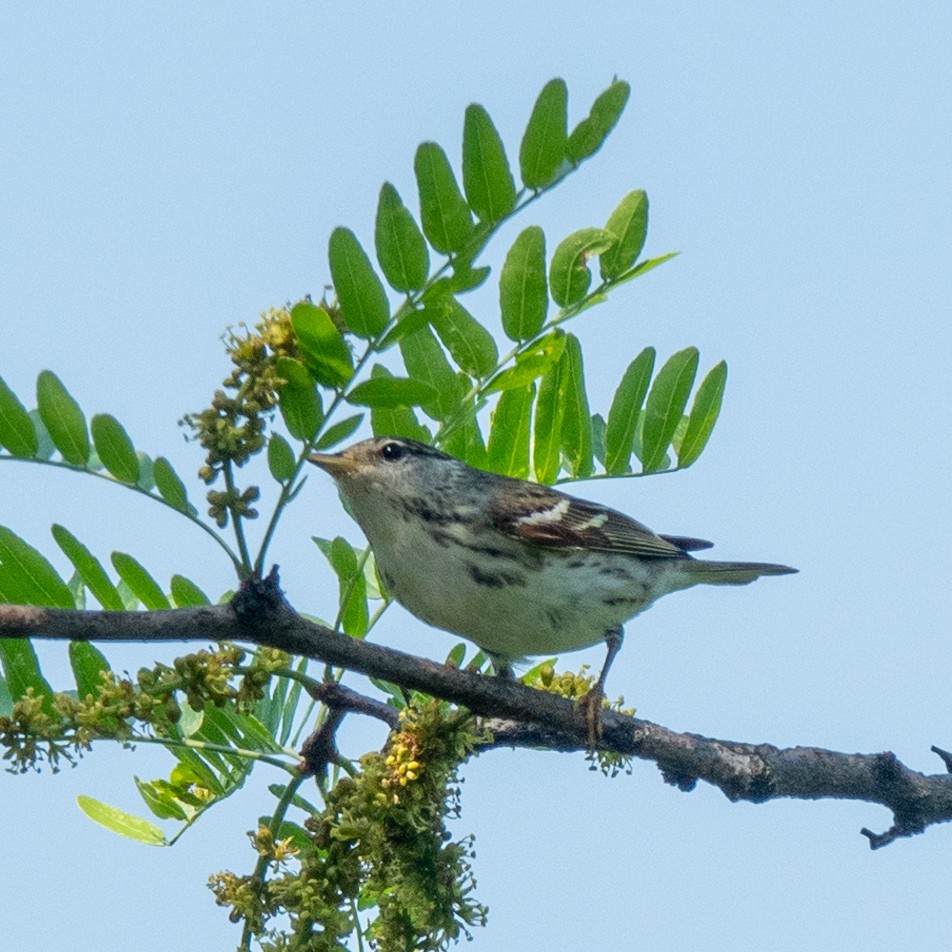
(334, 463)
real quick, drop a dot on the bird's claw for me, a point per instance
(591, 707)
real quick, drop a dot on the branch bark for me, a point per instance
(522, 716)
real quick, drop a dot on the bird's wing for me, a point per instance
(688, 543)
(542, 517)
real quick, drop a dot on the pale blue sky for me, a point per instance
(167, 171)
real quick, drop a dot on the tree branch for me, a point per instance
(338, 697)
(519, 715)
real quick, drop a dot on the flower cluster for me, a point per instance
(575, 686)
(380, 842)
(62, 726)
(232, 429)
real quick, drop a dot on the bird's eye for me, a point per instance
(391, 452)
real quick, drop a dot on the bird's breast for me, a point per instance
(509, 598)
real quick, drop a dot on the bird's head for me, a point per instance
(388, 465)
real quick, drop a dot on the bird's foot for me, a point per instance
(590, 705)
(592, 702)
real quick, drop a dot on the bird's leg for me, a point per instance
(591, 703)
(613, 639)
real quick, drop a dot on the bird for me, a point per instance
(516, 567)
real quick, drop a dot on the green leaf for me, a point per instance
(339, 432)
(44, 445)
(189, 720)
(469, 343)
(184, 773)
(125, 824)
(281, 461)
(547, 432)
(16, 429)
(456, 656)
(629, 224)
(146, 480)
(410, 323)
(446, 219)
(246, 729)
(27, 578)
(487, 179)
(128, 597)
(286, 696)
(425, 361)
(679, 432)
(569, 276)
(186, 594)
(643, 267)
(589, 135)
(323, 350)
(141, 583)
(170, 486)
(77, 590)
(114, 448)
(533, 367)
(391, 392)
(340, 553)
(227, 728)
(159, 796)
(268, 708)
(289, 709)
(576, 417)
(509, 433)
(704, 413)
(665, 406)
(90, 569)
(624, 412)
(345, 561)
(531, 363)
(465, 442)
(277, 710)
(219, 766)
(465, 277)
(278, 790)
(6, 698)
(298, 399)
(598, 437)
(399, 696)
(523, 295)
(355, 613)
(63, 419)
(198, 768)
(22, 671)
(542, 151)
(401, 247)
(363, 301)
(395, 421)
(88, 664)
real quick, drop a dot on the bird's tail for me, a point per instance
(731, 573)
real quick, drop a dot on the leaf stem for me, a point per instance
(261, 867)
(192, 517)
(475, 399)
(632, 475)
(236, 520)
(291, 487)
(244, 752)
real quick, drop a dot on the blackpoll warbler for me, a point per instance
(516, 567)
